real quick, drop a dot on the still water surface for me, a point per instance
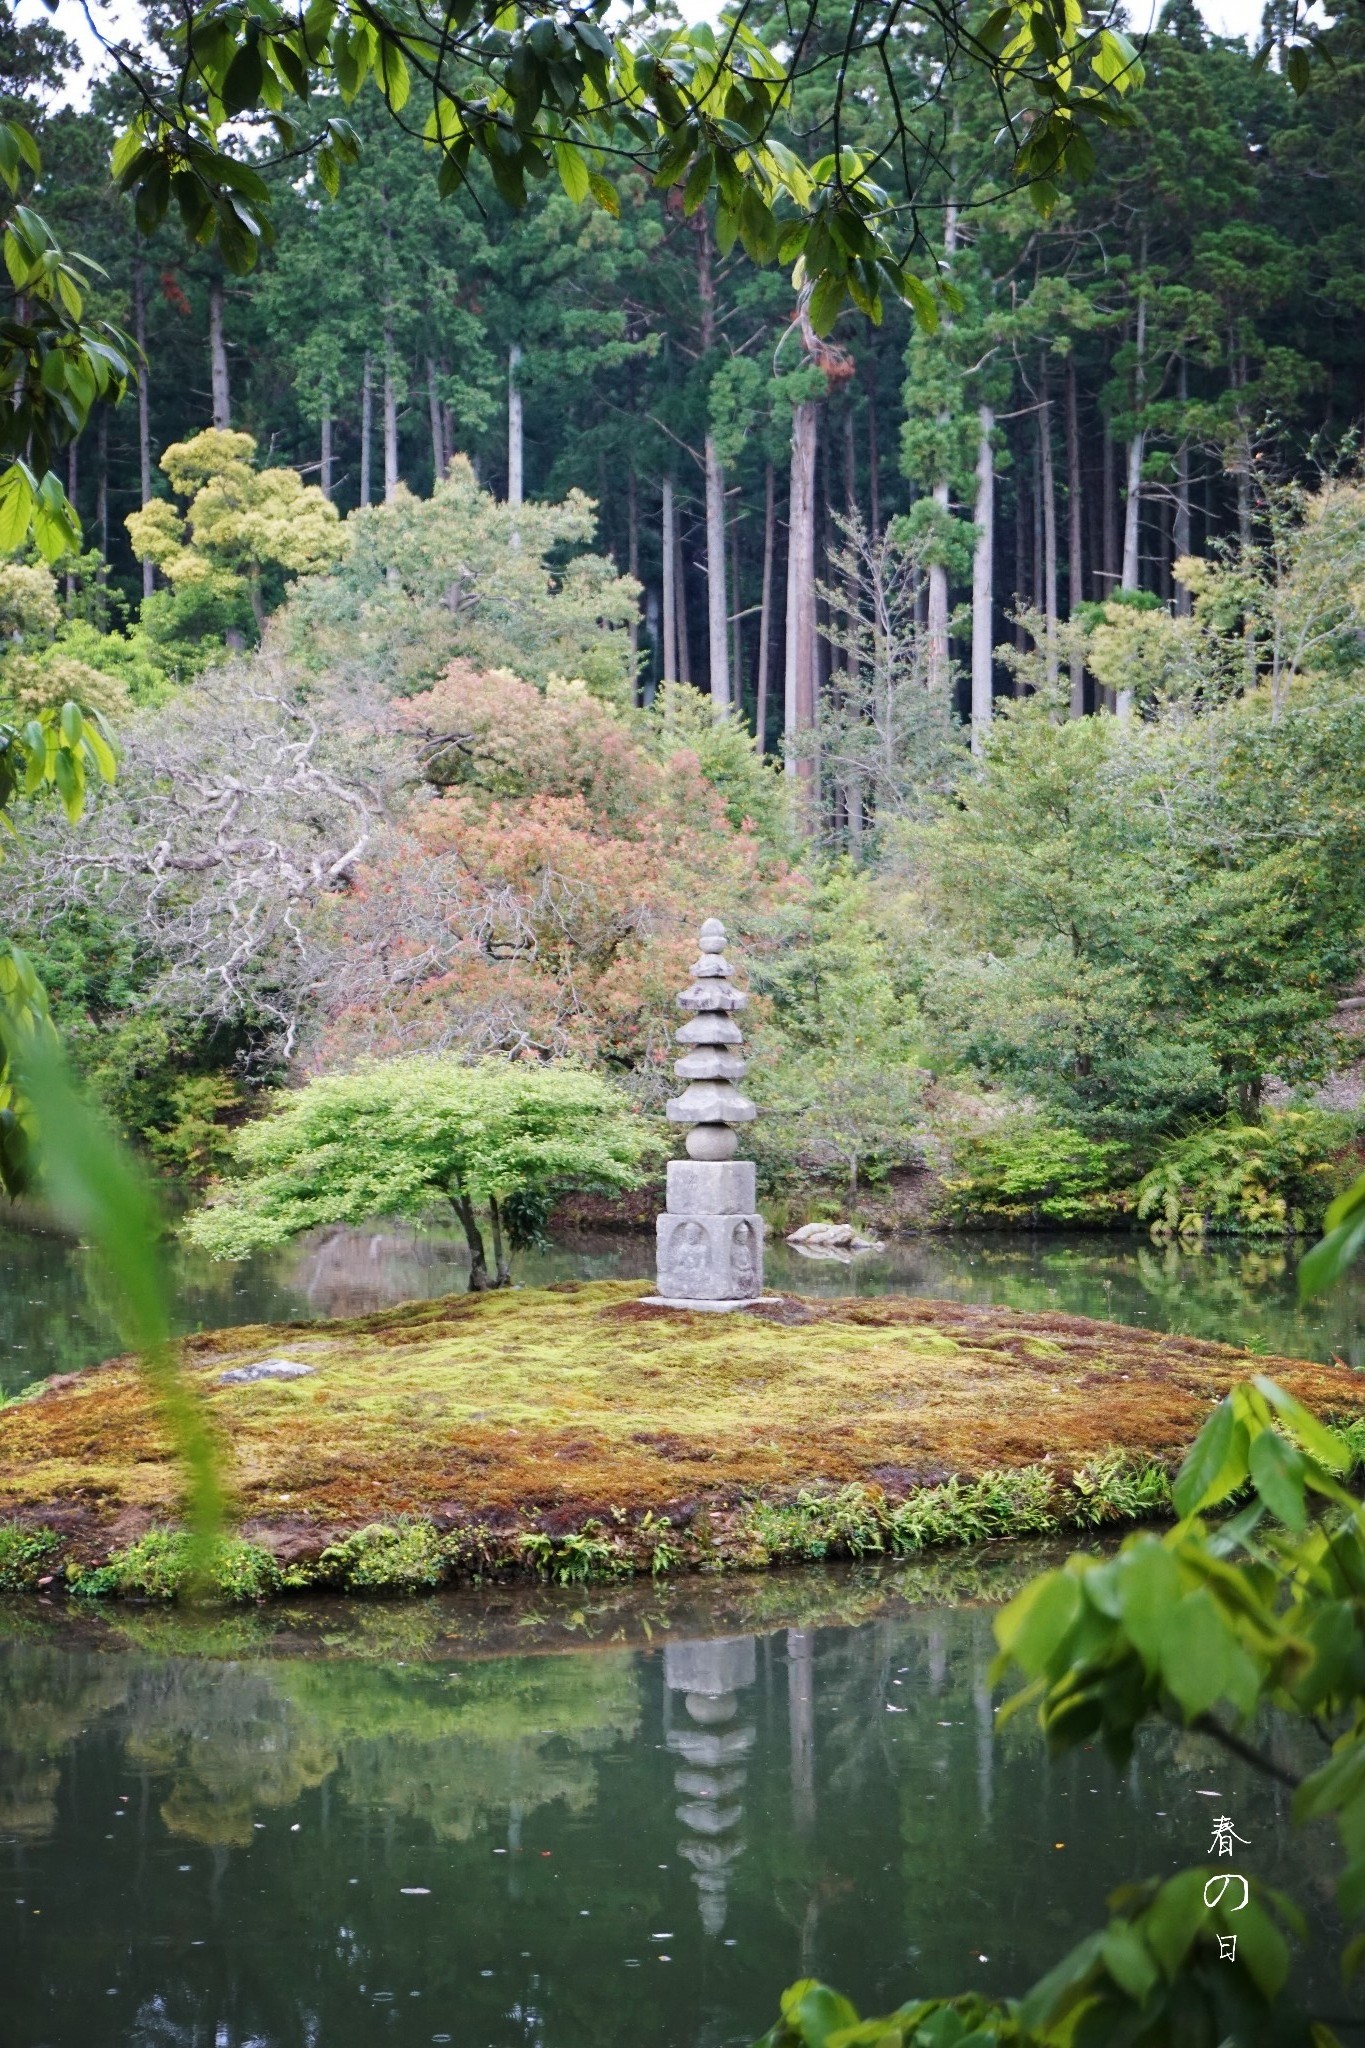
(543, 1819)
(52, 1317)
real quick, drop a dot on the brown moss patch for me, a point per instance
(579, 1400)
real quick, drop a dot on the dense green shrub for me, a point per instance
(407, 1556)
(1035, 1500)
(573, 1559)
(1027, 1171)
(1264, 1179)
(26, 1556)
(167, 1564)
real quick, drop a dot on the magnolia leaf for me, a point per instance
(245, 77)
(573, 171)
(1128, 1960)
(826, 301)
(17, 498)
(1201, 1663)
(605, 193)
(1277, 1473)
(1200, 1477)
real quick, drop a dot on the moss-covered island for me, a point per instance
(576, 1432)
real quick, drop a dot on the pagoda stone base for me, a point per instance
(710, 1239)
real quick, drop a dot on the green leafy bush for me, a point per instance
(167, 1564)
(849, 1523)
(407, 1556)
(573, 1559)
(26, 1556)
(1035, 1500)
(1028, 1171)
(1265, 1179)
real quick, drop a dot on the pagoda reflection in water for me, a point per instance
(713, 1746)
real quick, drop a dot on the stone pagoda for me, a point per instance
(710, 1239)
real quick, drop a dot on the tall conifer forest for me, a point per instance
(471, 589)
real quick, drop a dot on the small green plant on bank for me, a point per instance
(574, 1558)
(407, 1556)
(1116, 1488)
(1035, 1500)
(168, 1564)
(1029, 1172)
(26, 1556)
(1268, 1179)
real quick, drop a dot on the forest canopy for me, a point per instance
(472, 590)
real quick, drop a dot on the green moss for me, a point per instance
(574, 1435)
(168, 1564)
(26, 1555)
(407, 1556)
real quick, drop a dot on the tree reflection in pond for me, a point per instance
(637, 1841)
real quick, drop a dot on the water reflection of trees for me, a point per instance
(48, 1699)
(831, 1793)
(454, 1748)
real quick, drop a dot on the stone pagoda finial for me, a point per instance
(712, 1064)
(710, 1239)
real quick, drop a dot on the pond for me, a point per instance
(53, 1317)
(623, 1821)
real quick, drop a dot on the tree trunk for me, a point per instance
(447, 418)
(144, 403)
(851, 514)
(1237, 377)
(736, 620)
(983, 581)
(1039, 557)
(502, 1269)
(102, 487)
(218, 362)
(799, 715)
(649, 681)
(469, 1223)
(325, 457)
(1074, 529)
(390, 415)
(937, 621)
(1182, 536)
(72, 489)
(1021, 562)
(366, 429)
(1131, 578)
(670, 554)
(1048, 485)
(1109, 493)
(515, 427)
(717, 609)
(765, 612)
(633, 566)
(438, 439)
(938, 612)
(874, 464)
(680, 589)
